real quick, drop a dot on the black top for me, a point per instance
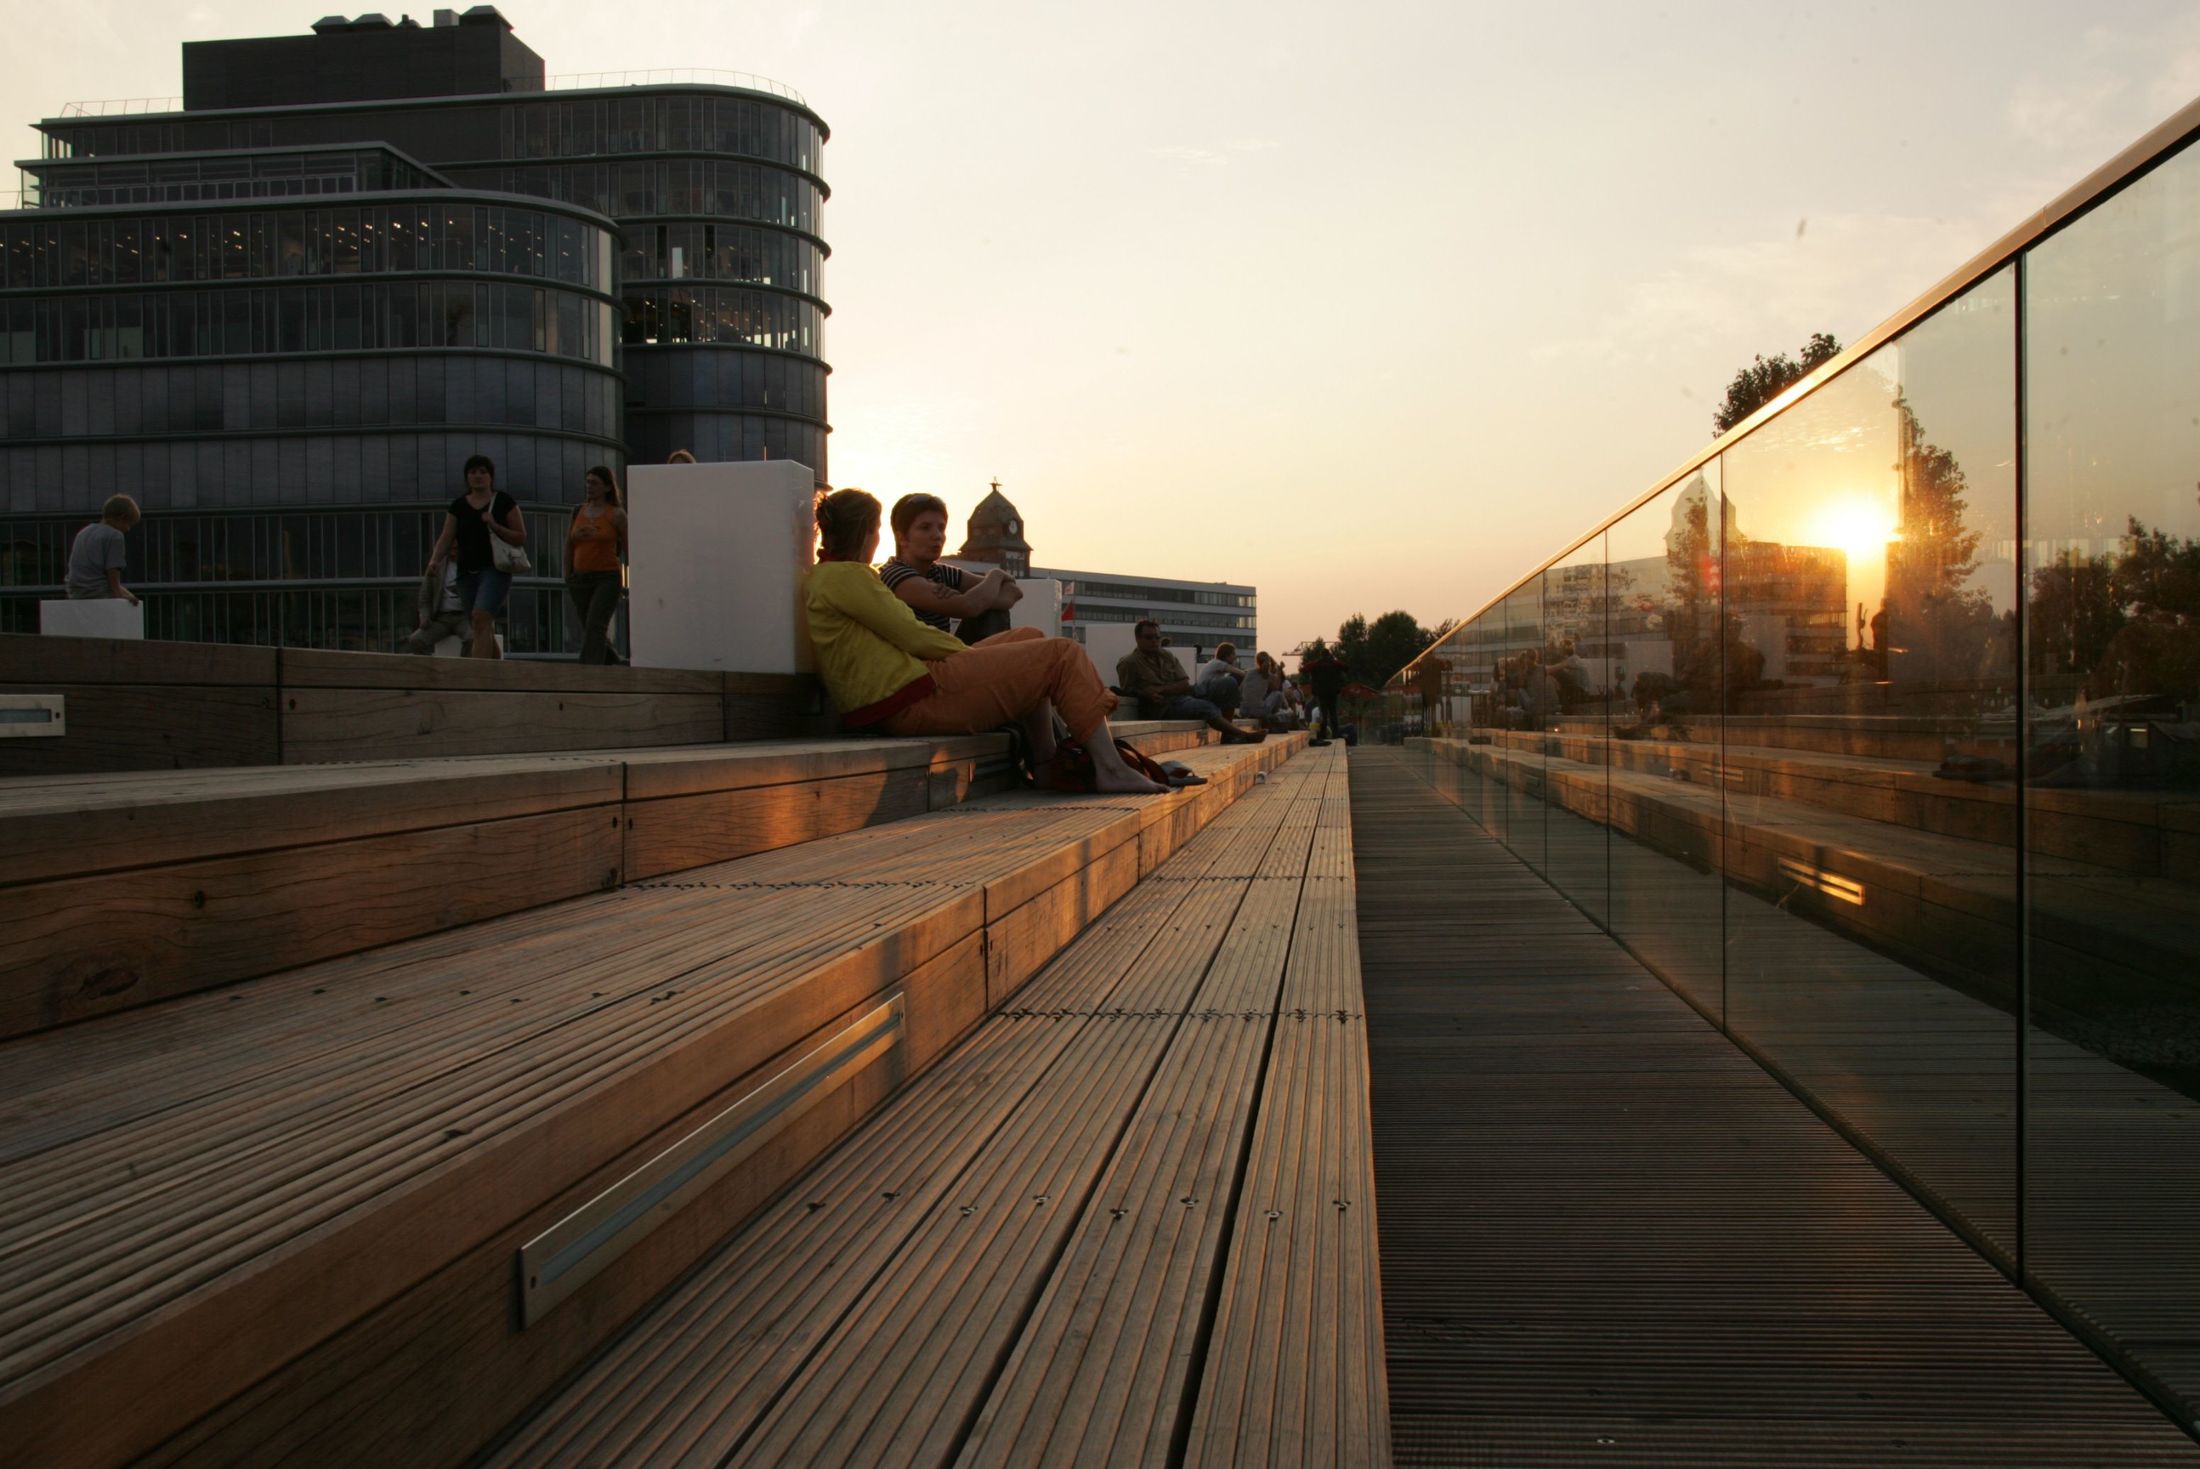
(473, 549)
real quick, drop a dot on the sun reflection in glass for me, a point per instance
(1861, 528)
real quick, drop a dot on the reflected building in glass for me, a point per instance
(1875, 732)
(283, 313)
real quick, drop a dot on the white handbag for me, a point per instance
(503, 555)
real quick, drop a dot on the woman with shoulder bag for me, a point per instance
(483, 529)
(595, 548)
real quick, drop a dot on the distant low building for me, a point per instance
(1194, 615)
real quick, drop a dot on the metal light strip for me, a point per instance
(1817, 879)
(566, 1256)
(33, 715)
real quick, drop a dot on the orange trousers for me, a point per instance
(1002, 679)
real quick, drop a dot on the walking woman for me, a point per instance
(475, 521)
(891, 674)
(595, 547)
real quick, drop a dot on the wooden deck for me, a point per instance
(1129, 1221)
(1611, 1239)
(287, 1211)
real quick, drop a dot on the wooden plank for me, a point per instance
(654, 774)
(148, 727)
(318, 668)
(691, 831)
(74, 829)
(92, 945)
(922, 1344)
(1020, 941)
(322, 724)
(1100, 1374)
(28, 659)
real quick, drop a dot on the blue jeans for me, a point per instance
(484, 591)
(1220, 691)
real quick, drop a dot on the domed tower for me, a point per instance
(996, 534)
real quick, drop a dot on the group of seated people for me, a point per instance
(1218, 692)
(894, 663)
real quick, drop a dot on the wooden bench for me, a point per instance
(245, 1203)
(118, 890)
(1131, 1217)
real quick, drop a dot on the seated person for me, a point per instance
(936, 591)
(1219, 680)
(1267, 695)
(1151, 674)
(889, 673)
(441, 611)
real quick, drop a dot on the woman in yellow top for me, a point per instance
(890, 673)
(595, 545)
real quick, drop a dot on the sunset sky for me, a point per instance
(1372, 306)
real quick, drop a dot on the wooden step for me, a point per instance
(121, 890)
(229, 1203)
(1039, 1285)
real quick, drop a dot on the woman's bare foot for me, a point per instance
(1122, 781)
(1110, 774)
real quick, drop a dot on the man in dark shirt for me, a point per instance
(1151, 674)
(935, 591)
(1327, 674)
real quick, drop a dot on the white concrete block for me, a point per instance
(1041, 606)
(93, 617)
(716, 556)
(1105, 644)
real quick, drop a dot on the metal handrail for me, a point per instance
(672, 77)
(123, 107)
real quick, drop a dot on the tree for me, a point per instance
(1767, 378)
(1373, 651)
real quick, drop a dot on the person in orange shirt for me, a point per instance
(595, 547)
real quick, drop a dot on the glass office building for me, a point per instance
(283, 313)
(1875, 731)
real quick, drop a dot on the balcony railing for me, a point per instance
(672, 77)
(122, 107)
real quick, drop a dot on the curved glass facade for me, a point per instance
(1876, 734)
(303, 354)
(719, 200)
(242, 314)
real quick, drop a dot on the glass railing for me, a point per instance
(1875, 732)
